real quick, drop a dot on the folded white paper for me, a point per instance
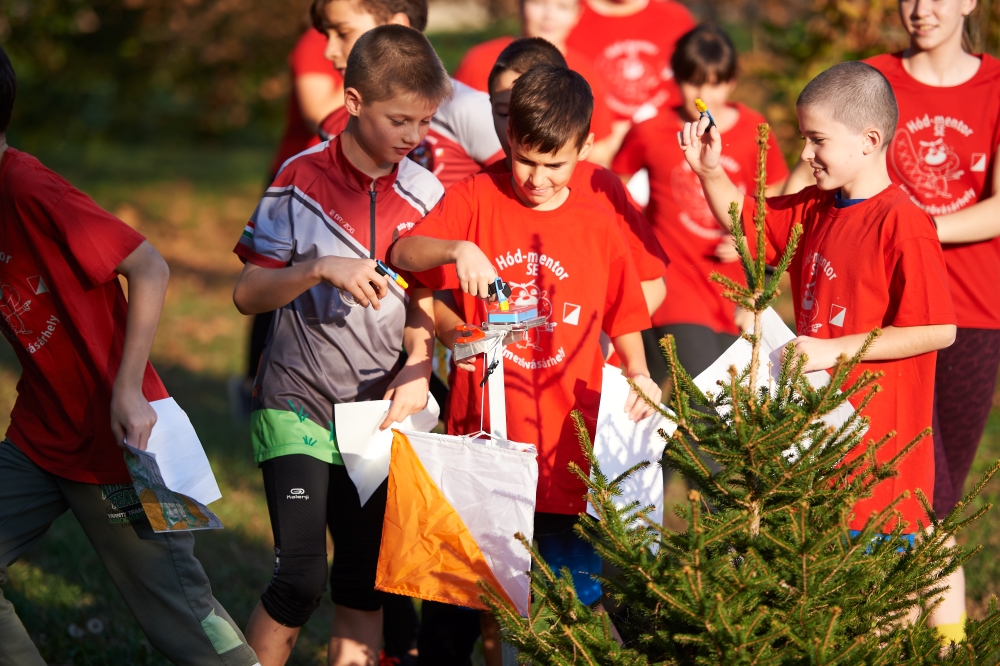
(179, 455)
(364, 448)
(620, 443)
(774, 337)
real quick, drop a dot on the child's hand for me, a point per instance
(725, 251)
(637, 408)
(357, 276)
(475, 270)
(700, 150)
(408, 392)
(822, 353)
(132, 418)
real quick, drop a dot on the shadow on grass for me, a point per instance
(60, 587)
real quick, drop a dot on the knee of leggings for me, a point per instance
(295, 589)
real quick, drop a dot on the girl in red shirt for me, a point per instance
(944, 157)
(702, 321)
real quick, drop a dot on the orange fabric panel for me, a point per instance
(427, 551)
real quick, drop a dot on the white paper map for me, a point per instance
(364, 448)
(619, 443)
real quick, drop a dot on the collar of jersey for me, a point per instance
(354, 177)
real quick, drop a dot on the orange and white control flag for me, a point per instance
(454, 505)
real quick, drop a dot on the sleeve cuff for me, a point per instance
(246, 254)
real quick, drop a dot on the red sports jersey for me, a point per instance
(680, 215)
(305, 58)
(874, 264)
(573, 264)
(476, 65)
(606, 188)
(64, 313)
(461, 136)
(942, 156)
(632, 54)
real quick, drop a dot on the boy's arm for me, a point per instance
(703, 157)
(260, 289)
(421, 253)
(895, 342)
(408, 391)
(633, 357)
(132, 418)
(975, 223)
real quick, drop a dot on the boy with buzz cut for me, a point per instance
(868, 258)
(85, 390)
(564, 253)
(310, 252)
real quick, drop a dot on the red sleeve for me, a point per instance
(307, 56)
(632, 155)
(97, 240)
(783, 213)
(777, 169)
(473, 71)
(918, 281)
(451, 219)
(624, 305)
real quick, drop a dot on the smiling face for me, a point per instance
(390, 128)
(932, 23)
(540, 179)
(551, 20)
(836, 154)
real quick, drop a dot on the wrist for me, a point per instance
(456, 249)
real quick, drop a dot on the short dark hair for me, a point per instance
(523, 54)
(549, 107)
(8, 90)
(382, 10)
(704, 54)
(857, 95)
(392, 59)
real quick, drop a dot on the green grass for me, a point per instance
(192, 203)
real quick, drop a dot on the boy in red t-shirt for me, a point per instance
(868, 258)
(565, 254)
(460, 140)
(551, 20)
(85, 389)
(696, 314)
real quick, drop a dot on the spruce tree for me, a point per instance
(766, 571)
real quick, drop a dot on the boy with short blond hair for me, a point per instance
(310, 251)
(563, 253)
(868, 258)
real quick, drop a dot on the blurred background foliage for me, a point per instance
(196, 70)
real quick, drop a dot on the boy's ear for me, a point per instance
(352, 101)
(873, 141)
(399, 18)
(588, 146)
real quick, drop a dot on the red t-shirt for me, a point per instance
(476, 65)
(632, 55)
(64, 313)
(874, 264)
(574, 265)
(607, 189)
(305, 58)
(681, 218)
(942, 156)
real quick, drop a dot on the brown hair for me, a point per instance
(8, 90)
(382, 10)
(549, 107)
(857, 95)
(391, 60)
(522, 54)
(704, 54)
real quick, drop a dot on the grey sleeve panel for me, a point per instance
(273, 227)
(467, 119)
(418, 187)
